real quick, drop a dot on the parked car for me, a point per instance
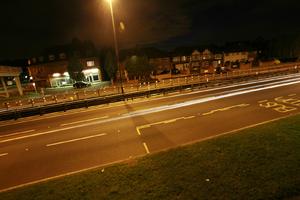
(81, 84)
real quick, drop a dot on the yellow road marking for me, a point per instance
(225, 109)
(75, 140)
(3, 154)
(138, 128)
(18, 133)
(146, 148)
(191, 117)
(82, 121)
(282, 108)
(172, 120)
(292, 101)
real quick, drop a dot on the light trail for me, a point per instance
(167, 107)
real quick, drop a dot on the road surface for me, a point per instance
(38, 148)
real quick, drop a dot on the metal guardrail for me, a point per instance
(192, 83)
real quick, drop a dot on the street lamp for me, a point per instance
(116, 43)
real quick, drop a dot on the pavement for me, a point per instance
(44, 147)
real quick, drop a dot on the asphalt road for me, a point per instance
(37, 148)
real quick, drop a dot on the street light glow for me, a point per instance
(116, 43)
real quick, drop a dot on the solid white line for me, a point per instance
(146, 147)
(18, 133)
(237, 130)
(75, 140)
(70, 173)
(3, 154)
(82, 121)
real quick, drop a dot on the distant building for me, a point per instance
(182, 63)
(161, 65)
(234, 59)
(54, 71)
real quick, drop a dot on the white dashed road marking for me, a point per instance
(75, 140)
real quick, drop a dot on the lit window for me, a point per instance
(51, 57)
(55, 75)
(90, 63)
(62, 56)
(91, 71)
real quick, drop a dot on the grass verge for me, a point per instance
(257, 163)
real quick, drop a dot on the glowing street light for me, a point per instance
(116, 42)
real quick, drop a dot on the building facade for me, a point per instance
(54, 71)
(161, 65)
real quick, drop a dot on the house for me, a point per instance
(181, 63)
(161, 65)
(53, 70)
(239, 59)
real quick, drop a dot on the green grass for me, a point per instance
(258, 163)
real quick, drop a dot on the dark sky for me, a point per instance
(28, 26)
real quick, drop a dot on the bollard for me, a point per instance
(139, 86)
(98, 91)
(19, 103)
(32, 102)
(7, 106)
(55, 98)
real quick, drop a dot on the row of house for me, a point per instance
(204, 61)
(51, 70)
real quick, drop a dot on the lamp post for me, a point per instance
(116, 43)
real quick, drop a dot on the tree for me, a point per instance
(75, 69)
(110, 66)
(138, 66)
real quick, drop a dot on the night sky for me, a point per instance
(29, 26)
